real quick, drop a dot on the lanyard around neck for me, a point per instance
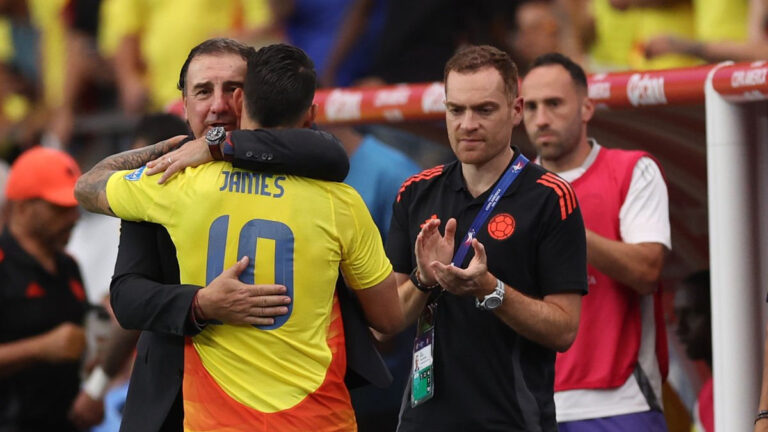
(501, 186)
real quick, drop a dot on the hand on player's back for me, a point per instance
(231, 301)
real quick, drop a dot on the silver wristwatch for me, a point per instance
(492, 300)
(215, 136)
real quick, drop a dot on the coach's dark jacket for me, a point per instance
(146, 294)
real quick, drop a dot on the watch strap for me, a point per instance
(215, 150)
(227, 148)
(498, 292)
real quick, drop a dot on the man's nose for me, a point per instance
(469, 120)
(541, 117)
(220, 102)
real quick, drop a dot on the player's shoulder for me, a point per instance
(547, 181)
(552, 188)
(424, 179)
(624, 158)
(317, 187)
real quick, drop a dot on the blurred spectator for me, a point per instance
(694, 329)
(536, 32)
(42, 301)
(657, 18)
(376, 171)
(94, 243)
(612, 34)
(32, 52)
(88, 80)
(136, 34)
(725, 30)
(341, 50)
(397, 40)
(415, 40)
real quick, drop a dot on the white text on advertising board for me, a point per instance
(343, 105)
(388, 97)
(433, 99)
(599, 90)
(751, 77)
(646, 90)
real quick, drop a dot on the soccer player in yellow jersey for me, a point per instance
(294, 231)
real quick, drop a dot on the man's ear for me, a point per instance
(310, 116)
(587, 110)
(238, 100)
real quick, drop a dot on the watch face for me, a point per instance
(214, 135)
(492, 302)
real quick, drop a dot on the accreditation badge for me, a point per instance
(423, 374)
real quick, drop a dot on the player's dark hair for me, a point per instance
(279, 85)
(574, 70)
(476, 57)
(156, 127)
(213, 46)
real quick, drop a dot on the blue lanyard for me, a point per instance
(506, 180)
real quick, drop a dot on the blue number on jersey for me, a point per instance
(247, 243)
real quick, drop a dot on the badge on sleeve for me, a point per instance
(135, 175)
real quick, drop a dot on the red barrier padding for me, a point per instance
(649, 88)
(742, 82)
(739, 82)
(403, 102)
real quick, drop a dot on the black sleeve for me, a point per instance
(562, 252)
(302, 152)
(145, 290)
(399, 247)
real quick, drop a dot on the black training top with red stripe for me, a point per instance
(487, 377)
(32, 302)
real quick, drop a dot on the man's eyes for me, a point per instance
(480, 110)
(485, 110)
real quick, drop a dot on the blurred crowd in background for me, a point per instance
(77, 73)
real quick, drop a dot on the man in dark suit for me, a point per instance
(146, 294)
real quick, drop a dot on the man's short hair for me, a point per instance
(574, 70)
(213, 46)
(476, 57)
(279, 85)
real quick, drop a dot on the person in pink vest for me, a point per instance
(610, 379)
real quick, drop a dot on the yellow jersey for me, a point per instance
(298, 232)
(621, 36)
(721, 20)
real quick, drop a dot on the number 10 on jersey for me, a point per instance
(247, 242)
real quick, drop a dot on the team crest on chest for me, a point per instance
(501, 226)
